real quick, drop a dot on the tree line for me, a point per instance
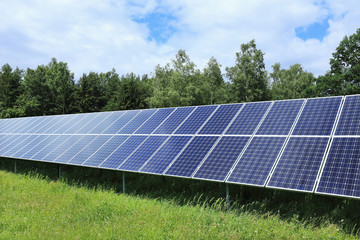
(51, 89)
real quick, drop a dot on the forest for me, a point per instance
(51, 89)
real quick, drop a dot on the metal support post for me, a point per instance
(123, 182)
(15, 166)
(227, 197)
(59, 171)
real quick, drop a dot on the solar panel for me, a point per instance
(171, 123)
(222, 158)
(155, 121)
(51, 145)
(158, 163)
(341, 173)
(35, 121)
(255, 164)
(97, 119)
(299, 164)
(190, 158)
(349, 122)
(318, 116)
(75, 148)
(248, 119)
(196, 120)
(18, 122)
(280, 118)
(77, 125)
(121, 122)
(109, 120)
(22, 123)
(120, 154)
(90, 149)
(10, 141)
(105, 150)
(52, 123)
(47, 139)
(137, 121)
(65, 123)
(24, 141)
(61, 148)
(139, 157)
(29, 146)
(221, 119)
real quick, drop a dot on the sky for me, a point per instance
(135, 36)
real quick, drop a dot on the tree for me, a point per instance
(213, 77)
(248, 76)
(291, 83)
(91, 93)
(10, 86)
(344, 75)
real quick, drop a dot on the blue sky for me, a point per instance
(135, 36)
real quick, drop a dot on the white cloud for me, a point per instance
(99, 35)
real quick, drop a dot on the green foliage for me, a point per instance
(291, 83)
(31, 205)
(248, 77)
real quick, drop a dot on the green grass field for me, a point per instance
(37, 206)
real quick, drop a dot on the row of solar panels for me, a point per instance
(303, 145)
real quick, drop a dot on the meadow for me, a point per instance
(89, 204)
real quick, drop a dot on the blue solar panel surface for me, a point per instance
(29, 146)
(53, 123)
(299, 164)
(106, 122)
(137, 121)
(66, 124)
(120, 154)
(349, 122)
(174, 121)
(90, 149)
(280, 118)
(221, 119)
(155, 121)
(248, 119)
(26, 139)
(143, 153)
(61, 148)
(121, 122)
(255, 164)
(47, 139)
(191, 157)
(56, 141)
(158, 163)
(97, 119)
(341, 173)
(222, 158)
(196, 120)
(10, 141)
(318, 116)
(105, 150)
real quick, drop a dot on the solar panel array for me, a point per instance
(310, 145)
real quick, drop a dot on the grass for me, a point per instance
(34, 205)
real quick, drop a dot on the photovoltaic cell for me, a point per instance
(137, 121)
(191, 157)
(255, 164)
(139, 157)
(341, 173)
(79, 124)
(248, 119)
(280, 118)
(105, 150)
(220, 119)
(120, 154)
(111, 119)
(61, 148)
(349, 122)
(154, 121)
(90, 149)
(22, 123)
(318, 116)
(121, 122)
(196, 120)
(46, 121)
(222, 158)
(47, 139)
(30, 146)
(75, 148)
(92, 123)
(18, 122)
(64, 124)
(52, 123)
(170, 124)
(15, 147)
(159, 162)
(8, 142)
(56, 141)
(299, 164)
(34, 121)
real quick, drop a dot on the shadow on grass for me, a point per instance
(309, 209)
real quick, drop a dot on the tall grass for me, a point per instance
(88, 204)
